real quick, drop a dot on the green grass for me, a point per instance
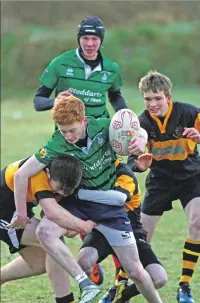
(24, 132)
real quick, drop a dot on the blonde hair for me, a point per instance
(155, 82)
(67, 110)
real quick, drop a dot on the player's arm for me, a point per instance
(108, 197)
(125, 180)
(123, 189)
(63, 218)
(48, 80)
(114, 93)
(31, 167)
(116, 100)
(41, 100)
(140, 163)
(193, 132)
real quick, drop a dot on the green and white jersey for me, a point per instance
(68, 71)
(98, 158)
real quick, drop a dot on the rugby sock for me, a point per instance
(82, 236)
(116, 262)
(122, 276)
(129, 292)
(66, 299)
(117, 267)
(191, 252)
(83, 280)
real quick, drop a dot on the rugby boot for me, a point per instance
(109, 295)
(184, 294)
(97, 274)
(119, 289)
(88, 293)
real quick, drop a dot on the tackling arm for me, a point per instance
(108, 197)
(62, 217)
(31, 167)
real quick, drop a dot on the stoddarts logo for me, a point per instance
(70, 71)
(85, 93)
(104, 160)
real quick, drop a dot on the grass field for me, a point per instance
(24, 131)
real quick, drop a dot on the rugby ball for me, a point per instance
(123, 126)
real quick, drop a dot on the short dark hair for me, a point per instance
(66, 170)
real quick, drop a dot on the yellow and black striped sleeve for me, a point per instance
(127, 183)
(124, 180)
(38, 185)
(197, 122)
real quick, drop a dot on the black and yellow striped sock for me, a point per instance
(191, 252)
(121, 276)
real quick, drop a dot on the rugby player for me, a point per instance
(173, 134)
(87, 139)
(96, 248)
(62, 176)
(87, 73)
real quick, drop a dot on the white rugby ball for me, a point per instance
(123, 126)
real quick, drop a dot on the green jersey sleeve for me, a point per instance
(50, 76)
(117, 83)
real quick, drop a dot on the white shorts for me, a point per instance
(116, 237)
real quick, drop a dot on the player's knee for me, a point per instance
(87, 258)
(135, 273)
(85, 263)
(43, 234)
(160, 281)
(194, 223)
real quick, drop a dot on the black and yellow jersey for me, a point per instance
(127, 183)
(38, 185)
(174, 156)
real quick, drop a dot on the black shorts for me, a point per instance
(112, 216)
(96, 240)
(160, 192)
(135, 220)
(10, 236)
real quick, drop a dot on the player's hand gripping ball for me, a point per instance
(124, 125)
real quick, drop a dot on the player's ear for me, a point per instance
(48, 173)
(169, 97)
(85, 121)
